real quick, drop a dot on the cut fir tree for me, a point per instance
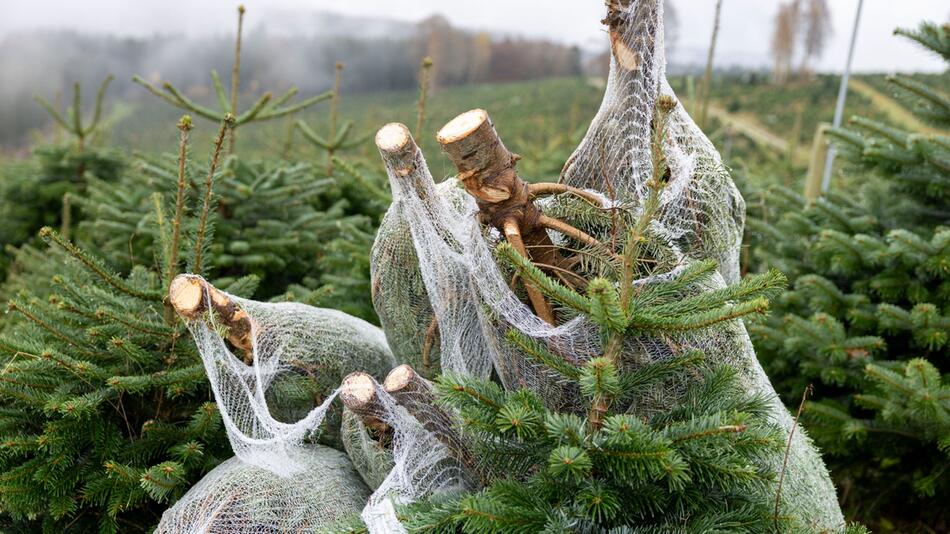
(867, 318)
(626, 288)
(631, 440)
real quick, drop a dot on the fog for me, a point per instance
(47, 45)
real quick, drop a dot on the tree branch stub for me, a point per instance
(416, 395)
(190, 295)
(487, 172)
(358, 394)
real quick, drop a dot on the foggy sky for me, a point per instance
(744, 35)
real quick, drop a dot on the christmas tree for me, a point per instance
(866, 320)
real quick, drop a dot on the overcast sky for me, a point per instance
(744, 36)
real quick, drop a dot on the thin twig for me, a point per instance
(424, 71)
(209, 182)
(184, 126)
(546, 188)
(788, 449)
(541, 306)
(236, 72)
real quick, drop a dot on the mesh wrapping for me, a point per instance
(273, 408)
(372, 460)
(701, 216)
(281, 480)
(240, 498)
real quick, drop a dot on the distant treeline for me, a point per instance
(48, 62)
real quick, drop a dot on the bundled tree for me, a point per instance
(616, 459)
(555, 298)
(867, 319)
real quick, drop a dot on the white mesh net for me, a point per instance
(446, 305)
(240, 498)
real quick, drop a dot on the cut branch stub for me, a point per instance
(358, 393)
(397, 147)
(415, 394)
(402, 157)
(190, 295)
(487, 171)
(617, 20)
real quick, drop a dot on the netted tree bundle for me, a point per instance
(438, 280)
(400, 299)
(282, 350)
(277, 393)
(371, 457)
(241, 498)
(699, 216)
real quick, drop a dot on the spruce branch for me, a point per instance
(264, 108)
(184, 127)
(50, 236)
(543, 282)
(74, 125)
(788, 450)
(226, 125)
(425, 71)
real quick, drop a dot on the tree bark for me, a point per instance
(416, 395)
(487, 171)
(190, 296)
(358, 393)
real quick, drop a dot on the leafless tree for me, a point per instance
(785, 38)
(816, 31)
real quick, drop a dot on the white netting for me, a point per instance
(446, 304)
(300, 353)
(700, 216)
(274, 410)
(240, 498)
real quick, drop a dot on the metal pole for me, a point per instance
(839, 107)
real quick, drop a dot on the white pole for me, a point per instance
(839, 107)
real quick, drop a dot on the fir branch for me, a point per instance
(94, 265)
(184, 127)
(226, 126)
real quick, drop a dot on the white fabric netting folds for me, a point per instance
(279, 405)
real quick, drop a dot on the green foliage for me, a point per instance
(686, 471)
(106, 415)
(39, 192)
(105, 404)
(300, 232)
(266, 107)
(867, 318)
